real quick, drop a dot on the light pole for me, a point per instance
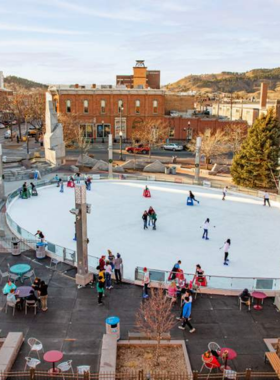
(121, 135)
(2, 192)
(197, 159)
(120, 111)
(102, 131)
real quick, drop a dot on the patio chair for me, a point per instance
(31, 304)
(31, 363)
(35, 345)
(240, 301)
(12, 305)
(81, 369)
(13, 277)
(65, 366)
(213, 346)
(54, 263)
(29, 275)
(209, 364)
(3, 275)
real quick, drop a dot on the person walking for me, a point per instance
(205, 229)
(43, 293)
(61, 187)
(108, 275)
(56, 179)
(145, 219)
(174, 271)
(224, 193)
(118, 263)
(100, 290)
(187, 309)
(226, 249)
(266, 199)
(154, 220)
(146, 281)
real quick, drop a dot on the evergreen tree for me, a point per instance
(255, 165)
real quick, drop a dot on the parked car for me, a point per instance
(141, 149)
(174, 147)
(32, 131)
(8, 134)
(2, 126)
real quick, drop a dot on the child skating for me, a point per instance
(205, 229)
(193, 197)
(224, 193)
(226, 249)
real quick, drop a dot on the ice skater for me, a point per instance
(224, 193)
(193, 197)
(145, 219)
(266, 199)
(205, 229)
(226, 249)
(61, 187)
(154, 220)
(150, 211)
(57, 179)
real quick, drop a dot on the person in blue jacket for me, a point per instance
(187, 309)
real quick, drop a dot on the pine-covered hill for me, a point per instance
(248, 82)
(16, 83)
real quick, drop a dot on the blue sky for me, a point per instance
(90, 41)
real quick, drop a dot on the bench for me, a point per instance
(274, 360)
(9, 352)
(143, 336)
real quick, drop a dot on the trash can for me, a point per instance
(15, 248)
(113, 326)
(167, 170)
(173, 170)
(40, 250)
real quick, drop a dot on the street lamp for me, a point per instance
(103, 131)
(121, 135)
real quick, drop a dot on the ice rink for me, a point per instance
(115, 223)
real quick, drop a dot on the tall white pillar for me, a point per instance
(197, 159)
(2, 189)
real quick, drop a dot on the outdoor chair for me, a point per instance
(3, 275)
(54, 263)
(243, 302)
(65, 366)
(83, 369)
(29, 275)
(229, 374)
(13, 277)
(31, 363)
(12, 305)
(35, 345)
(213, 346)
(207, 363)
(31, 304)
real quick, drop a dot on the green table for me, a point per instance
(20, 270)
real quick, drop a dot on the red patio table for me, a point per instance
(53, 357)
(260, 296)
(229, 354)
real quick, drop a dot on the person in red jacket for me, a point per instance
(102, 262)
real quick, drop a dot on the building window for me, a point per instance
(137, 106)
(155, 106)
(207, 132)
(85, 106)
(172, 132)
(103, 106)
(68, 106)
(120, 106)
(87, 131)
(189, 134)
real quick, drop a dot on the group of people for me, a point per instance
(39, 287)
(149, 218)
(106, 267)
(28, 191)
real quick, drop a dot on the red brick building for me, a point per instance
(141, 78)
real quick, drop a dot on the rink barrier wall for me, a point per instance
(215, 284)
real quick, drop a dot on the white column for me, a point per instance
(2, 190)
(110, 155)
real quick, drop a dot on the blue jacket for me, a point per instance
(187, 309)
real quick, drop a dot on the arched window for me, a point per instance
(155, 106)
(137, 106)
(85, 106)
(68, 106)
(120, 106)
(103, 106)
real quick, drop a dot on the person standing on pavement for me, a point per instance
(100, 290)
(108, 275)
(43, 289)
(118, 263)
(187, 309)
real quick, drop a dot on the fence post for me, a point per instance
(140, 375)
(248, 373)
(195, 375)
(32, 373)
(86, 375)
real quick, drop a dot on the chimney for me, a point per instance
(93, 85)
(76, 85)
(1, 80)
(263, 98)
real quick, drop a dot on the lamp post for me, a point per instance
(121, 135)
(120, 111)
(103, 131)
(197, 159)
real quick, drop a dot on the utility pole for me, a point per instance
(197, 159)
(110, 155)
(2, 190)
(83, 277)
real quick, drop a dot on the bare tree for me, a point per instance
(236, 134)
(212, 144)
(155, 318)
(35, 113)
(74, 133)
(151, 132)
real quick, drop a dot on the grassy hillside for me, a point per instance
(248, 82)
(16, 83)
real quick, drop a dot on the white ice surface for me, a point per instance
(115, 223)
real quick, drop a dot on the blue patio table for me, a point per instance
(20, 270)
